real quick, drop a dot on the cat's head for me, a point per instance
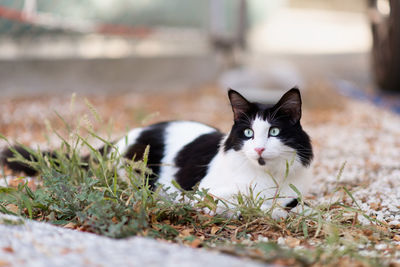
(266, 133)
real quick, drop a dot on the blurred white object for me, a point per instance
(305, 31)
(263, 85)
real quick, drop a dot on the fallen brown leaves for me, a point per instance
(292, 242)
(70, 225)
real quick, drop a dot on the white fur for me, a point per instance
(273, 148)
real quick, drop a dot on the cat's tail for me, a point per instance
(8, 159)
(25, 155)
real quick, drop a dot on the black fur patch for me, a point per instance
(194, 158)
(104, 150)
(286, 116)
(296, 138)
(293, 203)
(17, 166)
(154, 137)
(236, 136)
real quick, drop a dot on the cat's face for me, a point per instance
(265, 133)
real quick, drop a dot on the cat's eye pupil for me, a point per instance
(248, 133)
(274, 131)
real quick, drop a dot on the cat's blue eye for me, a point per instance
(248, 133)
(274, 131)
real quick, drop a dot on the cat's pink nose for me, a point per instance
(259, 150)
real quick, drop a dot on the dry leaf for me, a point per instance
(368, 232)
(81, 228)
(153, 219)
(70, 225)
(258, 252)
(214, 229)
(195, 243)
(284, 262)
(13, 208)
(374, 206)
(4, 263)
(292, 242)
(186, 232)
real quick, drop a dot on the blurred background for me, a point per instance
(258, 47)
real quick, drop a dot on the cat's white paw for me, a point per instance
(279, 214)
(305, 211)
(224, 211)
(227, 212)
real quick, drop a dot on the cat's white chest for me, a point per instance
(230, 173)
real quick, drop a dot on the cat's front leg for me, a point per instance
(228, 210)
(280, 209)
(277, 212)
(224, 208)
(223, 211)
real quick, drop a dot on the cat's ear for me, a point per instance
(239, 104)
(290, 105)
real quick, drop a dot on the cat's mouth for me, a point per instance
(261, 161)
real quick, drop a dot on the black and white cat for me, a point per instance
(263, 141)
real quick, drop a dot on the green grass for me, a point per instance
(92, 197)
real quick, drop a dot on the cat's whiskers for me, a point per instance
(297, 156)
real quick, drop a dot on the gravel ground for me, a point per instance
(364, 137)
(39, 244)
(368, 140)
